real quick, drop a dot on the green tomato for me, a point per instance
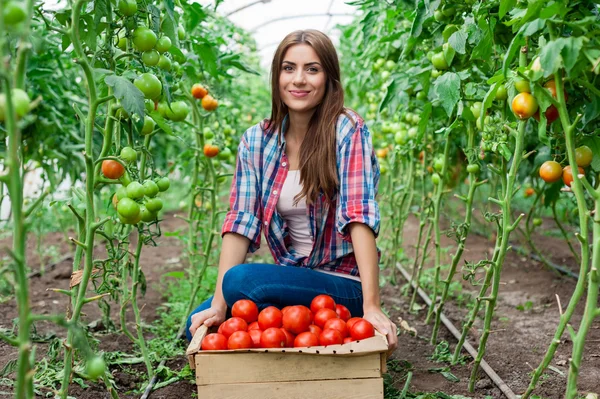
(435, 179)
(133, 220)
(436, 74)
(163, 44)
(400, 137)
(149, 85)
(476, 109)
(149, 105)
(14, 13)
(225, 154)
(501, 93)
(128, 154)
(216, 125)
(121, 114)
(438, 165)
(127, 7)
(473, 168)
(180, 32)
(144, 39)
(150, 58)
(439, 61)
(135, 190)
(164, 63)
(95, 367)
(385, 75)
(448, 31)
(154, 204)
(522, 86)
(148, 125)
(162, 109)
(128, 208)
(389, 65)
(122, 43)
(178, 112)
(421, 95)
(121, 192)
(163, 183)
(208, 134)
(150, 188)
(412, 132)
(438, 15)
(147, 216)
(537, 222)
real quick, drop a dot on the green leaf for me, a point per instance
(447, 89)
(391, 91)
(131, 98)
(449, 376)
(208, 57)
(100, 10)
(175, 274)
(506, 6)
(235, 61)
(560, 52)
(591, 110)
(458, 40)
(161, 122)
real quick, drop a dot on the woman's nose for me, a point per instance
(299, 78)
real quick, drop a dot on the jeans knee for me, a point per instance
(235, 283)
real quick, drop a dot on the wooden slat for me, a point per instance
(370, 388)
(223, 368)
(194, 346)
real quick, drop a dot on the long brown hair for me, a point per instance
(318, 167)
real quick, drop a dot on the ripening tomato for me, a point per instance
(234, 324)
(524, 105)
(112, 169)
(214, 342)
(529, 191)
(289, 338)
(211, 150)
(272, 338)
(323, 315)
(315, 329)
(255, 335)
(306, 339)
(331, 337)
(209, 103)
(245, 309)
(583, 156)
(567, 174)
(270, 317)
(550, 171)
(320, 302)
(336, 324)
(362, 329)
(253, 326)
(240, 340)
(297, 319)
(199, 91)
(342, 312)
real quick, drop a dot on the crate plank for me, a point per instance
(370, 388)
(226, 368)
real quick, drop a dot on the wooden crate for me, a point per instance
(350, 371)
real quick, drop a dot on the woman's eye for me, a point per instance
(313, 70)
(287, 68)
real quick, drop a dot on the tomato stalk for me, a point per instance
(564, 233)
(528, 231)
(403, 207)
(461, 237)
(437, 203)
(582, 236)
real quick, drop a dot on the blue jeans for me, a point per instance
(275, 285)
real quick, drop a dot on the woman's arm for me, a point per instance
(365, 251)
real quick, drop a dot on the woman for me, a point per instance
(308, 178)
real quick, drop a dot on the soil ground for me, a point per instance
(516, 346)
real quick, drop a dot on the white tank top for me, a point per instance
(296, 219)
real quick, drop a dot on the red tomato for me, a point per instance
(112, 169)
(342, 312)
(214, 342)
(273, 338)
(347, 340)
(351, 322)
(320, 302)
(567, 174)
(270, 317)
(331, 337)
(362, 329)
(245, 309)
(220, 329)
(255, 335)
(253, 326)
(306, 339)
(234, 324)
(240, 340)
(337, 324)
(323, 315)
(285, 309)
(296, 319)
(289, 338)
(315, 329)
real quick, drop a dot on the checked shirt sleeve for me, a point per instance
(359, 177)
(244, 215)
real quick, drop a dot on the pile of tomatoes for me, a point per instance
(325, 323)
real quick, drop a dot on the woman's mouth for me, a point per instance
(299, 93)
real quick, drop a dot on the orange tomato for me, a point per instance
(529, 192)
(382, 152)
(112, 169)
(199, 91)
(211, 150)
(567, 174)
(209, 103)
(550, 171)
(524, 105)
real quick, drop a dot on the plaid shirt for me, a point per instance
(261, 170)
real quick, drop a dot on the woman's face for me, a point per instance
(302, 79)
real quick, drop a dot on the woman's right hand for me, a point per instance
(213, 316)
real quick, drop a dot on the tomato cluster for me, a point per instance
(325, 323)
(552, 171)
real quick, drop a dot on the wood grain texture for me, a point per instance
(370, 388)
(223, 368)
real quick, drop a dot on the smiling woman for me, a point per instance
(308, 178)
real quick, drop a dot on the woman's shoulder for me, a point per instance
(347, 123)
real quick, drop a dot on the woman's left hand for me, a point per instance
(384, 325)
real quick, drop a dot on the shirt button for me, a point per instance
(284, 164)
(275, 192)
(266, 223)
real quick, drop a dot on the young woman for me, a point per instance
(307, 177)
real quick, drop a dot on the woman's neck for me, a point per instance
(298, 125)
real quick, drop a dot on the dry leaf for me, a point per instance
(78, 275)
